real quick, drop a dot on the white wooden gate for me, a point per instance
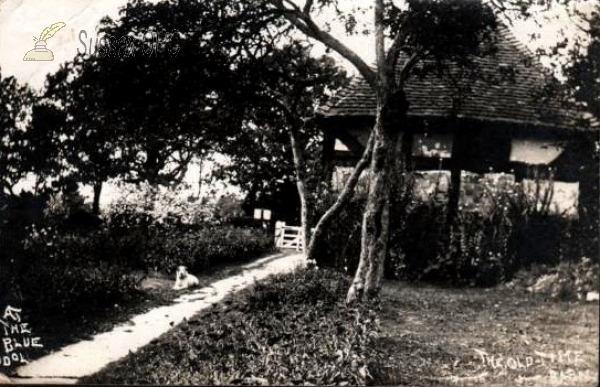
(289, 237)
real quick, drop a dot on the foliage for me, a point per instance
(227, 208)
(147, 99)
(158, 234)
(15, 103)
(339, 246)
(17, 213)
(287, 86)
(161, 204)
(583, 68)
(565, 281)
(70, 273)
(580, 92)
(202, 249)
(583, 74)
(292, 329)
(509, 227)
(71, 262)
(475, 249)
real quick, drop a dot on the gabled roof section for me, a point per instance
(504, 86)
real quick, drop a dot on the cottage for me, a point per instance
(491, 116)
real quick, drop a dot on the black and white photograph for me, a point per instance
(300, 192)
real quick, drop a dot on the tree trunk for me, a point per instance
(408, 138)
(588, 203)
(301, 185)
(375, 226)
(391, 111)
(97, 193)
(453, 194)
(328, 156)
(201, 165)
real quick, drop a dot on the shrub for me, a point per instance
(202, 248)
(481, 247)
(163, 245)
(566, 281)
(17, 214)
(292, 329)
(339, 247)
(504, 229)
(70, 273)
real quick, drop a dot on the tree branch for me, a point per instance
(397, 43)
(382, 68)
(344, 197)
(407, 67)
(305, 24)
(307, 6)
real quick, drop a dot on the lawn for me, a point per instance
(295, 329)
(485, 337)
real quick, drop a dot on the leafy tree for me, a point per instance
(583, 70)
(148, 99)
(287, 85)
(442, 30)
(577, 59)
(15, 104)
(439, 29)
(93, 146)
(44, 147)
(229, 84)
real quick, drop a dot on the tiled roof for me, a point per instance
(504, 87)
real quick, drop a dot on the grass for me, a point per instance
(293, 329)
(286, 332)
(476, 337)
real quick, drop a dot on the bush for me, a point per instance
(292, 329)
(339, 248)
(60, 269)
(17, 214)
(565, 281)
(491, 238)
(162, 246)
(474, 250)
(71, 273)
(203, 248)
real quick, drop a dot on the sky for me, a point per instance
(22, 20)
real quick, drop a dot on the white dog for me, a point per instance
(184, 280)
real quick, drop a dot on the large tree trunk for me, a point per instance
(97, 193)
(375, 226)
(391, 111)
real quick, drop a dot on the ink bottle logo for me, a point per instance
(40, 52)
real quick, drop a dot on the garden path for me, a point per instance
(87, 357)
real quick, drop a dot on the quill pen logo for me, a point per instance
(40, 52)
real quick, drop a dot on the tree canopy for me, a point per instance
(15, 104)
